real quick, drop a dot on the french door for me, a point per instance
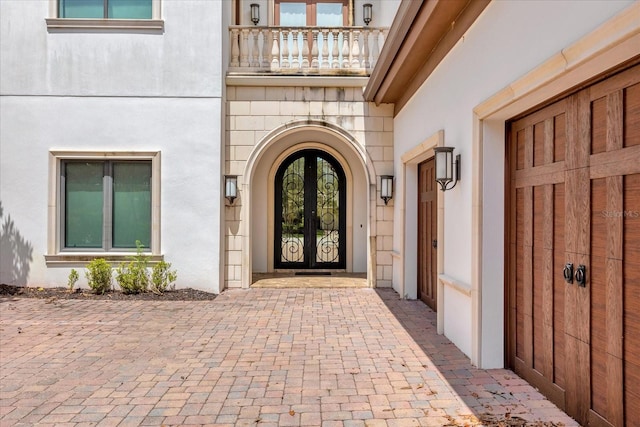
(310, 217)
(311, 13)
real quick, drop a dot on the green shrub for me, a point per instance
(162, 276)
(73, 278)
(132, 276)
(99, 275)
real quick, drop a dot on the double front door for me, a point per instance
(310, 212)
(574, 251)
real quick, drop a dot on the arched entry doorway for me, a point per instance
(310, 212)
(256, 215)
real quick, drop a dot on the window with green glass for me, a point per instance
(107, 205)
(111, 9)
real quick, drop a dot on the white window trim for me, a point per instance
(55, 254)
(155, 23)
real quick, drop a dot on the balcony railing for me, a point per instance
(305, 50)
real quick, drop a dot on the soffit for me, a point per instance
(421, 35)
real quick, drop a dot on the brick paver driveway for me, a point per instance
(259, 357)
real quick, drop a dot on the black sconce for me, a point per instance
(446, 168)
(255, 13)
(231, 187)
(367, 13)
(386, 188)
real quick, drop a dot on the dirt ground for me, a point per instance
(63, 293)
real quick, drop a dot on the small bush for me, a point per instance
(73, 278)
(132, 276)
(99, 275)
(162, 276)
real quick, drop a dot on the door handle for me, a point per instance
(567, 272)
(434, 243)
(581, 276)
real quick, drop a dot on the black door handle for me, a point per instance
(567, 272)
(434, 243)
(581, 276)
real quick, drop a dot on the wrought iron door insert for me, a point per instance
(310, 203)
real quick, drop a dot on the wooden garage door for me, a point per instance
(427, 233)
(574, 198)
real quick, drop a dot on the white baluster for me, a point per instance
(235, 48)
(285, 49)
(345, 50)
(365, 60)
(275, 51)
(255, 60)
(335, 60)
(376, 48)
(244, 49)
(305, 48)
(325, 49)
(295, 50)
(266, 47)
(314, 50)
(355, 49)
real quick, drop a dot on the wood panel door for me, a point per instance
(427, 234)
(574, 200)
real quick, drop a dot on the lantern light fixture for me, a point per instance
(367, 13)
(386, 188)
(447, 170)
(255, 13)
(231, 187)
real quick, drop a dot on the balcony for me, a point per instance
(342, 51)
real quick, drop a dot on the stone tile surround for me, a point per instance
(254, 112)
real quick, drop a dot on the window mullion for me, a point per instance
(62, 207)
(108, 204)
(106, 9)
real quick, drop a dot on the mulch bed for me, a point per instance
(187, 294)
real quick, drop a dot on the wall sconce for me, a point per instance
(386, 188)
(231, 187)
(255, 13)
(367, 13)
(446, 167)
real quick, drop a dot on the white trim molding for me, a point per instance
(54, 22)
(55, 255)
(409, 204)
(104, 24)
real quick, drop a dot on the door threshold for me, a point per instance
(312, 273)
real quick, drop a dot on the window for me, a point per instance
(106, 204)
(111, 9)
(102, 203)
(322, 13)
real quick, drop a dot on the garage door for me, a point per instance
(573, 267)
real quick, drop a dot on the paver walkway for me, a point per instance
(343, 357)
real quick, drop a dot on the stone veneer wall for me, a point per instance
(253, 112)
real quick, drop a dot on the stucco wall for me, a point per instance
(184, 60)
(508, 40)
(115, 90)
(254, 112)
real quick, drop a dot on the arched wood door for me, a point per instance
(310, 217)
